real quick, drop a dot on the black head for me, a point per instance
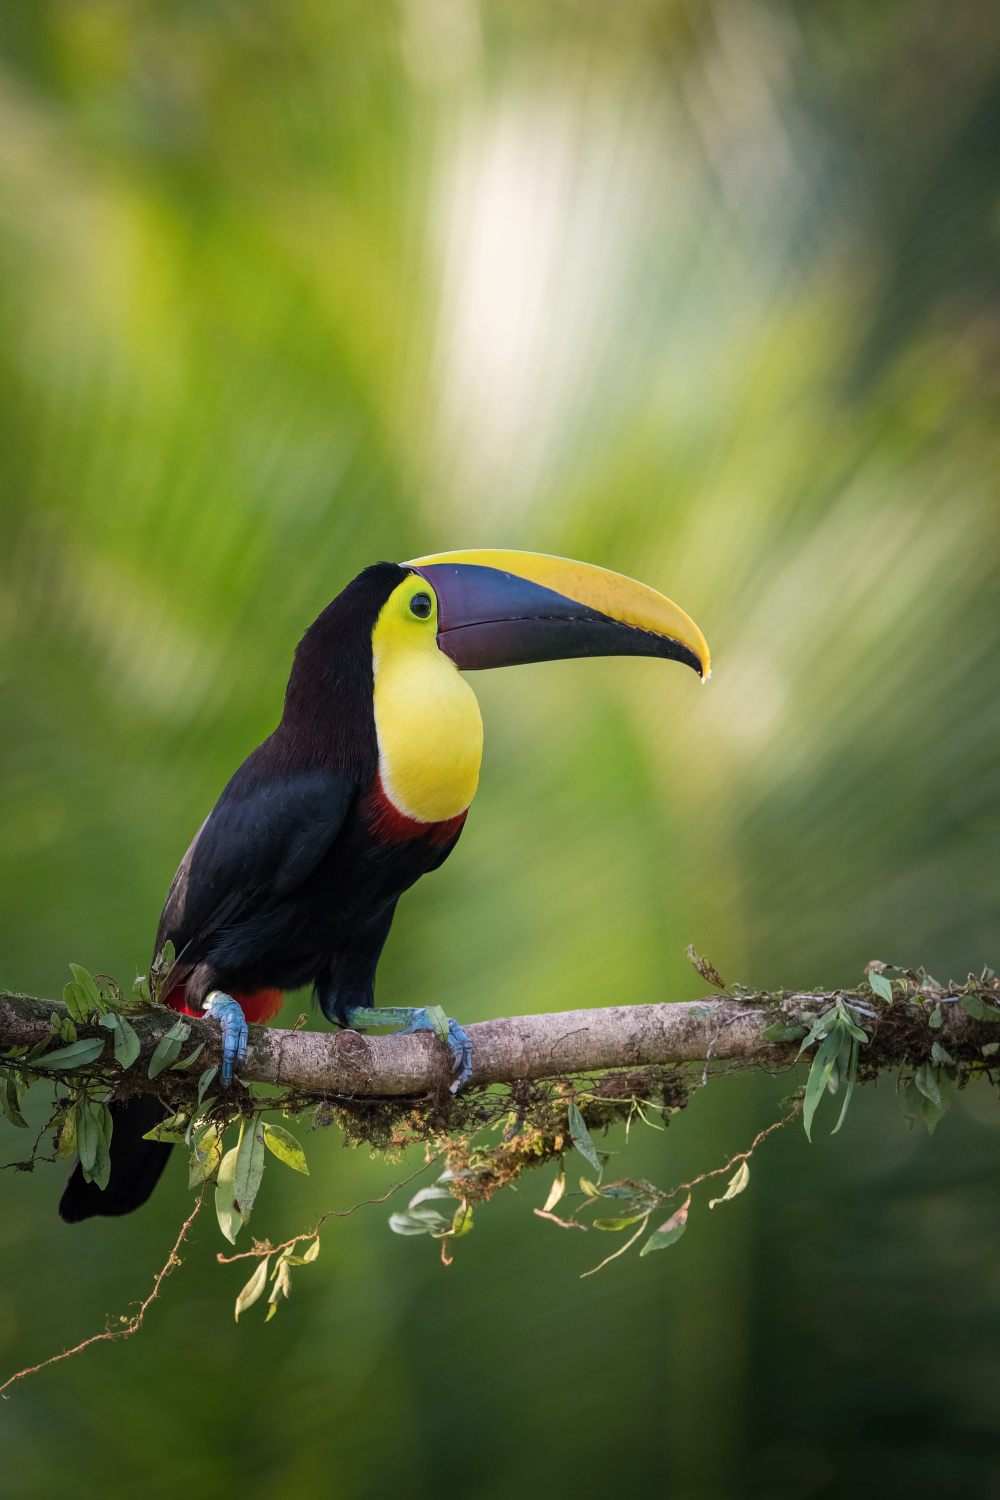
(328, 711)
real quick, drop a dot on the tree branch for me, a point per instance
(538, 1047)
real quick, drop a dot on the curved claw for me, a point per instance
(422, 1018)
(461, 1052)
(235, 1032)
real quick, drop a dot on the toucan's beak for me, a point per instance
(501, 609)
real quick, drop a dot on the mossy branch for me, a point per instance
(562, 1076)
(739, 1027)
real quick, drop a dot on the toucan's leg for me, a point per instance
(235, 1032)
(420, 1018)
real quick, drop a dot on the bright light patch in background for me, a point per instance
(441, 40)
(517, 320)
(604, 243)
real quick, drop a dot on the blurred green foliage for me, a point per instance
(705, 293)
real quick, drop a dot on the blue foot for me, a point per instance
(235, 1032)
(421, 1018)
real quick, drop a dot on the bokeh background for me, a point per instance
(708, 293)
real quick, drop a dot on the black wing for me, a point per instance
(255, 846)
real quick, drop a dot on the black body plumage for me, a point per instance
(287, 883)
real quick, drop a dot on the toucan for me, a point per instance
(294, 876)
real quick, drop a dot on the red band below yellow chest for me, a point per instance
(390, 826)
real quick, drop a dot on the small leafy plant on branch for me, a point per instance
(105, 1044)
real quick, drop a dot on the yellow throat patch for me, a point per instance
(430, 733)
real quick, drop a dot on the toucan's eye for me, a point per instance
(420, 605)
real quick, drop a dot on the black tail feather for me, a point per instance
(136, 1165)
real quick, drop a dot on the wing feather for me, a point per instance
(255, 847)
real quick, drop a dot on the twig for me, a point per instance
(563, 1223)
(130, 1325)
(740, 1155)
(621, 1251)
(264, 1247)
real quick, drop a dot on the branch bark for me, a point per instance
(515, 1047)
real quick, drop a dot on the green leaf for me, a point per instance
(736, 1184)
(192, 1057)
(668, 1233)
(784, 1031)
(990, 1048)
(285, 1147)
(160, 968)
(935, 1018)
(170, 1131)
(581, 1137)
(67, 1030)
(168, 1048)
(230, 1220)
(101, 1172)
(941, 1057)
(39, 1047)
(312, 1252)
(77, 1055)
(249, 1166)
(880, 985)
(821, 1027)
(205, 1156)
(87, 1133)
(910, 1100)
(75, 1001)
(67, 1136)
(112, 1002)
(253, 1289)
(589, 1189)
(419, 1221)
(820, 1074)
(204, 1082)
(10, 1102)
(92, 995)
(854, 1030)
(436, 1191)
(933, 1111)
(282, 1282)
(462, 1221)
(165, 958)
(127, 1045)
(926, 1080)
(613, 1225)
(438, 1020)
(93, 1139)
(977, 1009)
(852, 1073)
